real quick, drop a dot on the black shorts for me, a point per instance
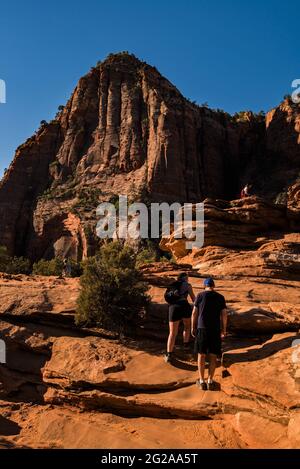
(208, 342)
(179, 311)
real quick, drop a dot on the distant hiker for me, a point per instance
(209, 323)
(246, 191)
(67, 268)
(179, 310)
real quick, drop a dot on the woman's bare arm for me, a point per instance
(191, 293)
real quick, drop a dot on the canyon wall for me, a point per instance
(128, 130)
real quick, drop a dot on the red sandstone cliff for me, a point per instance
(127, 129)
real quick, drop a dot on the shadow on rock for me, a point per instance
(183, 365)
(268, 349)
(8, 427)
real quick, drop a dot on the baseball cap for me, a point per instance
(209, 282)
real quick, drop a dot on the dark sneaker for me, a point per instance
(202, 386)
(168, 357)
(211, 386)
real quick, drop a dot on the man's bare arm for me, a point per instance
(224, 316)
(195, 315)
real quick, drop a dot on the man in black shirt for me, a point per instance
(209, 314)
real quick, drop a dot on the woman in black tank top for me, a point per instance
(180, 311)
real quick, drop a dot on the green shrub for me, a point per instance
(47, 268)
(55, 267)
(115, 201)
(87, 198)
(147, 255)
(165, 259)
(76, 268)
(4, 257)
(13, 265)
(18, 265)
(113, 293)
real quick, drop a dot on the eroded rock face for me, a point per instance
(128, 130)
(293, 202)
(248, 237)
(42, 297)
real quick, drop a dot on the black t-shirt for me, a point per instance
(210, 304)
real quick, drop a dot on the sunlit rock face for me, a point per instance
(128, 130)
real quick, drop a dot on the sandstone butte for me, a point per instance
(128, 130)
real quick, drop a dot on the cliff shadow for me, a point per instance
(8, 427)
(266, 350)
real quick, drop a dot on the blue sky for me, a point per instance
(233, 54)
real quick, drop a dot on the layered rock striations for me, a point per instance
(126, 129)
(246, 237)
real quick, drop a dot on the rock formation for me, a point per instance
(58, 376)
(126, 129)
(250, 237)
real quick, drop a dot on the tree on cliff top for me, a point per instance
(113, 293)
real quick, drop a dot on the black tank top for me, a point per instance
(184, 290)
